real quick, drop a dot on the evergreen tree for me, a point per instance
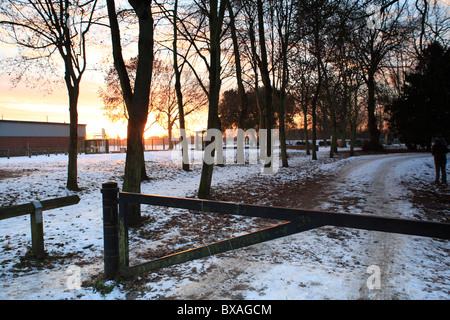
(423, 111)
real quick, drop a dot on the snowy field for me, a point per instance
(325, 263)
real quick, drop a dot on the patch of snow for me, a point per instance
(325, 263)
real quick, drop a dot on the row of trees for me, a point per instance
(285, 57)
(422, 111)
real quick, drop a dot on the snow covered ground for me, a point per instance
(325, 263)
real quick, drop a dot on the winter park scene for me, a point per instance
(224, 150)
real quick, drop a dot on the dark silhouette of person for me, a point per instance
(439, 151)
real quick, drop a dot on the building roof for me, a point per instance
(17, 128)
(43, 122)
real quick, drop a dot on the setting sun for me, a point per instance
(42, 104)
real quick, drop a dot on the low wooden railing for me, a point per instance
(34, 209)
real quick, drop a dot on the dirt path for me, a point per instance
(328, 262)
(369, 185)
(383, 195)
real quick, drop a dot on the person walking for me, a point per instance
(439, 151)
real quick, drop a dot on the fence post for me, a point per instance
(37, 231)
(110, 229)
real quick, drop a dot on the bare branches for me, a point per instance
(41, 26)
(44, 27)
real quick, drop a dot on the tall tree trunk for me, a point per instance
(316, 94)
(374, 143)
(331, 103)
(255, 66)
(72, 175)
(184, 142)
(73, 89)
(314, 129)
(353, 118)
(352, 139)
(133, 162)
(305, 128)
(313, 112)
(282, 123)
(267, 111)
(284, 19)
(215, 25)
(333, 146)
(133, 167)
(237, 60)
(136, 101)
(284, 157)
(169, 131)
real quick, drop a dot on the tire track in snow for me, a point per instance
(373, 186)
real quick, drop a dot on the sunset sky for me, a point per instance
(49, 102)
(24, 102)
(38, 103)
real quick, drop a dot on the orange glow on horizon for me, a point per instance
(34, 104)
(113, 130)
(34, 99)
(48, 102)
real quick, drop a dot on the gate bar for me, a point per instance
(295, 220)
(237, 242)
(300, 216)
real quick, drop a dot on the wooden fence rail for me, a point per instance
(34, 209)
(293, 220)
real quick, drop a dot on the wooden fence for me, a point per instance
(35, 209)
(28, 152)
(116, 252)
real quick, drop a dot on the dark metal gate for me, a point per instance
(116, 252)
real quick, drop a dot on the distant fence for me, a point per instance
(35, 209)
(150, 144)
(116, 251)
(154, 144)
(29, 152)
(114, 145)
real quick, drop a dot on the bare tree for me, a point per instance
(373, 43)
(256, 34)
(46, 27)
(215, 15)
(179, 93)
(284, 18)
(137, 98)
(249, 54)
(237, 61)
(165, 96)
(202, 28)
(114, 107)
(303, 71)
(311, 22)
